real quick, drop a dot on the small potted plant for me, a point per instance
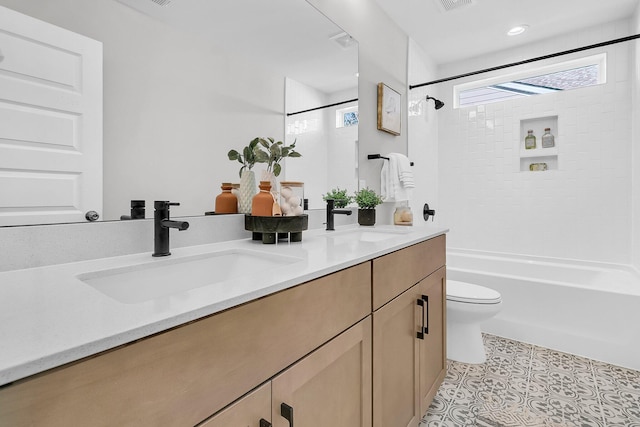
(367, 201)
(339, 196)
(248, 187)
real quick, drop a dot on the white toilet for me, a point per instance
(467, 306)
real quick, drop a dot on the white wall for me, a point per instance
(635, 111)
(173, 105)
(423, 133)
(582, 210)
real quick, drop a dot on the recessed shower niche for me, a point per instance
(541, 157)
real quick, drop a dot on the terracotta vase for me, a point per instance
(248, 189)
(366, 216)
(226, 202)
(262, 204)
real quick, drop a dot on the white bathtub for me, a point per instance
(585, 308)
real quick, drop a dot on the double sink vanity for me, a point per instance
(346, 328)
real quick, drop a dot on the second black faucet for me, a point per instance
(332, 211)
(161, 225)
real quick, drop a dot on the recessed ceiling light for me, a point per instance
(518, 29)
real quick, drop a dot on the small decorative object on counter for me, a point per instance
(548, 140)
(248, 187)
(530, 140)
(235, 190)
(271, 152)
(367, 201)
(291, 198)
(226, 202)
(534, 167)
(274, 228)
(262, 204)
(403, 215)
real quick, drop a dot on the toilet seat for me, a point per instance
(470, 293)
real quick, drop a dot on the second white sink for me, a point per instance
(164, 277)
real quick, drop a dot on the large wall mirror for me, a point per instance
(185, 81)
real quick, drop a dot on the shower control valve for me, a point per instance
(426, 212)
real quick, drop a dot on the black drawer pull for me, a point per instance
(420, 333)
(264, 423)
(287, 413)
(425, 313)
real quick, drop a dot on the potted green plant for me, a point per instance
(367, 201)
(272, 152)
(248, 187)
(339, 196)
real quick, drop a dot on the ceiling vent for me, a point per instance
(165, 2)
(449, 5)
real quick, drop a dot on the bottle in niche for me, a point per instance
(530, 140)
(548, 140)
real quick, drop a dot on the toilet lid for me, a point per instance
(470, 293)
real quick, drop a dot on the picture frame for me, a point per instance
(389, 109)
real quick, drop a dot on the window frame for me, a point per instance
(599, 60)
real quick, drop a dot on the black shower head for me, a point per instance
(439, 104)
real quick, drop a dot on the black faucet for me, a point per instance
(331, 211)
(161, 226)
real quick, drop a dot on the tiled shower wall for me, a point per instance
(583, 210)
(636, 138)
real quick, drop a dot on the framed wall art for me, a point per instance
(389, 102)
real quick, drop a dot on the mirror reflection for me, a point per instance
(328, 137)
(184, 82)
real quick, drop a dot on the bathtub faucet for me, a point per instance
(161, 226)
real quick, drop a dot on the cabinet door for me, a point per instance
(253, 410)
(329, 387)
(433, 357)
(396, 362)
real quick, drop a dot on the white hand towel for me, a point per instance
(396, 178)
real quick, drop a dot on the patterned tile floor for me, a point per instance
(525, 385)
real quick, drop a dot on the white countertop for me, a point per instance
(49, 317)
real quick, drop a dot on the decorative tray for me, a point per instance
(272, 228)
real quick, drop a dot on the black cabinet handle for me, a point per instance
(425, 313)
(264, 423)
(420, 334)
(287, 413)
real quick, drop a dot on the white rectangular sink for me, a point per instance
(169, 276)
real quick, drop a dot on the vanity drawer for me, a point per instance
(398, 271)
(182, 376)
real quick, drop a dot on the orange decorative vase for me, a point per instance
(262, 203)
(226, 202)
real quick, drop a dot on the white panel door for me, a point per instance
(50, 122)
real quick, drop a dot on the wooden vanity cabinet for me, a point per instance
(409, 361)
(341, 351)
(183, 376)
